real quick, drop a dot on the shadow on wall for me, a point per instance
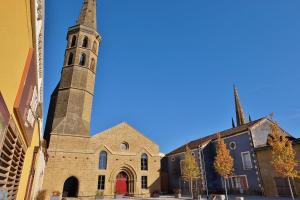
(154, 188)
(164, 175)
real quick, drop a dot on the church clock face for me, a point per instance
(124, 146)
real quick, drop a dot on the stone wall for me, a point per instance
(79, 157)
(267, 171)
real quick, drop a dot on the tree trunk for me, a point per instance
(225, 189)
(291, 190)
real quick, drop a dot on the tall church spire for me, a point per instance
(240, 116)
(88, 14)
(71, 102)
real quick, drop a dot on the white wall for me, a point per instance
(260, 132)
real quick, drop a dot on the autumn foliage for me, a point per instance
(223, 161)
(283, 155)
(189, 168)
(189, 165)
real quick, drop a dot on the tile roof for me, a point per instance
(232, 131)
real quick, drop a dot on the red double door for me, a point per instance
(121, 184)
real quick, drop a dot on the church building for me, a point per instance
(248, 144)
(119, 160)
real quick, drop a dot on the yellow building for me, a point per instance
(21, 78)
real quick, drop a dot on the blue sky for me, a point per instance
(167, 67)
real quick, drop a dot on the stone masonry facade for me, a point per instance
(119, 160)
(79, 157)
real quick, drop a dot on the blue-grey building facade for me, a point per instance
(245, 177)
(241, 140)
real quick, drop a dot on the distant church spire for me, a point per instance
(88, 14)
(240, 117)
(232, 121)
(250, 120)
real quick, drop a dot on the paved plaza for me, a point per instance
(230, 198)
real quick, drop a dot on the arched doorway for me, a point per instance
(71, 187)
(122, 183)
(123, 180)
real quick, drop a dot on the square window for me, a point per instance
(144, 182)
(246, 158)
(101, 182)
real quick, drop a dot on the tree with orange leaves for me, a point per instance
(189, 168)
(283, 155)
(223, 161)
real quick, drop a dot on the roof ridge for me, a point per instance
(225, 133)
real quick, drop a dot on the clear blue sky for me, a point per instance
(167, 66)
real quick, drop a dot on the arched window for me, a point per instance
(102, 160)
(73, 42)
(82, 59)
(92, 67)
(94, 49)
(144, 162)
(70, 60)
(85, 42)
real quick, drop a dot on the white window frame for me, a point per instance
(181, 163)
(234, 143)
(243, 161)
(238, 176)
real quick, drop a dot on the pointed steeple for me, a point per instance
(72, 100)
(232, 121)
(250, 120)
(88, 14)
(240, 117)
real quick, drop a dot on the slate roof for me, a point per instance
(232, 131)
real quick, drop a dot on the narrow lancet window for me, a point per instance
(82, 59)
(70, 60)
(102, 160)
(73, 42)
(92, 67)
(144, 162)
(94, 49)
(85, 42)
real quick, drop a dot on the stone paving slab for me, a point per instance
(230, 198)
(187, 198)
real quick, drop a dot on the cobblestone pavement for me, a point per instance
(230, 198)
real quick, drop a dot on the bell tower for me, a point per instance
(71, 102)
